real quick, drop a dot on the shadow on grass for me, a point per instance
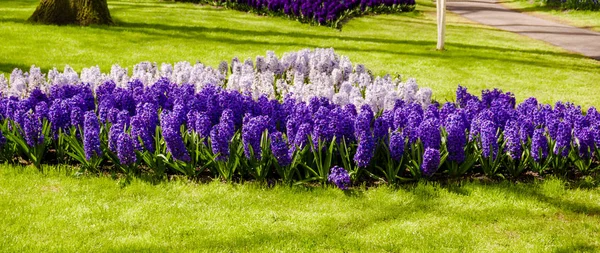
(578, 247)
(305, 40)
(14, 20)
(427, 205)
(9, 67)
(194, 31)
(534, 192)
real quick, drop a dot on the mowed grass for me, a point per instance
(579, 18)
(58, 212)
(477, 57)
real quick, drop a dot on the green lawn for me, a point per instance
(58, 211)
(585, 19)
(55, 212)
(478, 57)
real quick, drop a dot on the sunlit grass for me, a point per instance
(478, 57)
(59, 212)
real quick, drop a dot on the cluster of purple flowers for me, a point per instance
(131, 116)
(91, 136)
(323, 12)
(339, 177)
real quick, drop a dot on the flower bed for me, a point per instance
(261, 123)
(320, 12)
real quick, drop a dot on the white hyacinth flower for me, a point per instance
(94, 77)
(166, 70)
(70, 75)
(119, 75)
(18, 86)
(424, 97)
(3, 85)
(35, 79)
(303, 74)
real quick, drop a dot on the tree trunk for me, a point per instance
(58, 12)
(81, 12)
(92, 12)
(441, 23)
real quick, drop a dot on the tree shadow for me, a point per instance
(200, 32)
(9, 67)
(14, 20)
(578, 247)
(535, 193)
(426, 203)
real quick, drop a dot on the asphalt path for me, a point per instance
(489, 12)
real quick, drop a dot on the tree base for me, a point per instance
(63, 12)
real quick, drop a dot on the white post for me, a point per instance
(441, 23)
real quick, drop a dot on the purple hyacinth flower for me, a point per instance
(41, 109)
(280, 149)
(59, 117)
(457, 137)
(323, 131)
(585, 141)
(396, 145)
(143, 133)
(113, 136)
(380, 129)
(512, 139)
(412, 128)
(203, 125)
(219, 144)
(463, 97)
(528, 107)
(342, 124)
(365, 150)
(171, 131)
(291, 126)
(339, 177)
(552, 122)
(564, 135)
(447, 109)
(489, 140)
(526, 130)
(431, 162)
(32, 126)
(362, 124)
(302, 134)
(539, 145)
(429, 133)
(252, 132)
(125, 149)
(221, 135)
(431, 112)
(91, 136)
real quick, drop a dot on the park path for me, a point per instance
(489, 12)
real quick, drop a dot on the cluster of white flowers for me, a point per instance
(321, 73)
(301, 75)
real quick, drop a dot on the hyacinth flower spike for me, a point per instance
(87, 151)
(491, 153)
(31, 138)
(395, 159)
(517, 159)
(339, 177)
(285, 166)
(539, 151)
(461, 154)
